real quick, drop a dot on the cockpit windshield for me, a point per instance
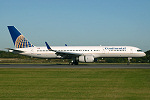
(139, 50)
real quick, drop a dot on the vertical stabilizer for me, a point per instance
(19, 40)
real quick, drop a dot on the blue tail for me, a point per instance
(19, 40)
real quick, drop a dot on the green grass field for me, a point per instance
(74, 84)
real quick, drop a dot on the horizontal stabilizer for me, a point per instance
(14, 50)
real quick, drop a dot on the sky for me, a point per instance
(77, 22)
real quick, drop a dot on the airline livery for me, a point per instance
(76, 53)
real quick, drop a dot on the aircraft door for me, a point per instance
(103, 51)
(32, 51)
(131, 51)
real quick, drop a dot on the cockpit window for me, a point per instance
(139, 50)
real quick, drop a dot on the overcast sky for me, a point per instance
(77, 22)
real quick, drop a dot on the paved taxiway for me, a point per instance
(131, 66)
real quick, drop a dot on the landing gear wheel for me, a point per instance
(76, 63)
(73, 63)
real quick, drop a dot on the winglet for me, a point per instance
(48, 47)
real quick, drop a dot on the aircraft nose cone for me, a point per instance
(144, 54)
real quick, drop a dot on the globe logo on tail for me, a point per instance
(22, 42)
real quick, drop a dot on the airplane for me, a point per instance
(77, 54)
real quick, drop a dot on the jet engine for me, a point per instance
(86, 58)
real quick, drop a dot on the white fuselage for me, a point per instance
(95, 51)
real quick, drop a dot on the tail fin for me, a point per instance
(19, 40)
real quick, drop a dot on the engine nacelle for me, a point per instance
(86, 58)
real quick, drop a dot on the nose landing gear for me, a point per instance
(129, 60)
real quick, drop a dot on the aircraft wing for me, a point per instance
(67, 54)
(63, 54)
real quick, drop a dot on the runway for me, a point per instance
(120, 66)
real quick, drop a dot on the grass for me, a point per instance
(74, 84)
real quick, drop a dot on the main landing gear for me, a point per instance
(74, 62)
